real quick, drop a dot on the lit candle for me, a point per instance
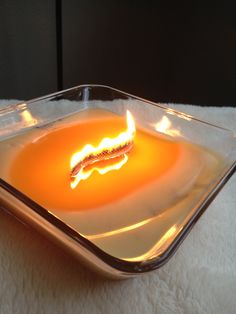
(129, 194)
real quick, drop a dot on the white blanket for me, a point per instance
(37, 277)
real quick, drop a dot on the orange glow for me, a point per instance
(108, 149)
(151, 157)
(164, 126)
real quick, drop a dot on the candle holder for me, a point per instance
(131, 217)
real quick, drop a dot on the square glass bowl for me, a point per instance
(126, 221)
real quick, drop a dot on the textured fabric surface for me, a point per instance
(37, 277)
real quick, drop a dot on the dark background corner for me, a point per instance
(159, 51)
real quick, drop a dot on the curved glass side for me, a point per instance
(131, 219)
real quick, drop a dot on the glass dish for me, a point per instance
(128, 221)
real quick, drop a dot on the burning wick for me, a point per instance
(108, 149)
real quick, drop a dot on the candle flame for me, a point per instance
(164, 126)
(108, 149)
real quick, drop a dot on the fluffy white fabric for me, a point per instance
(37, 277)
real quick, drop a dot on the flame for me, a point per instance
(108, 148)
(164, 126)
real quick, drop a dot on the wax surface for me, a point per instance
(133, 213)
(42, 168)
